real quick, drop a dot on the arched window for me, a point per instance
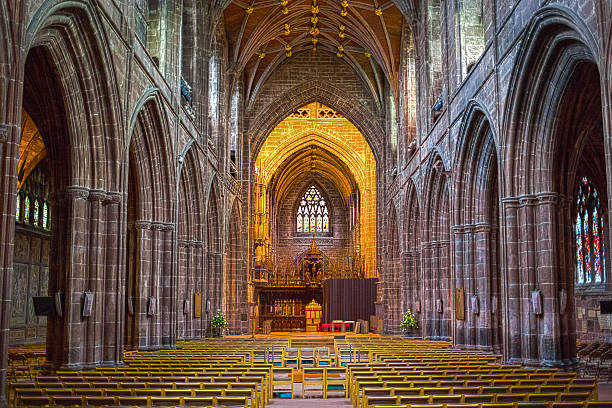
(45, 216)
(589, 227)
(312, 214)
(36, 213)
(26, 210)
(18, 208)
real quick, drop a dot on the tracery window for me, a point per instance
(312, 214)
(589, 229)
(18, 207)
(26, 210)
(33, 208)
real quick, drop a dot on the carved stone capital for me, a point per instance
(157, 226)
(97, 195)
(113, 197)
(168, 227)
(75, 192)
(482, 227)
(548, 198)
(527, 201)
(142, 225)
(510, 202)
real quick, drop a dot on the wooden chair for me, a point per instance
(166, 401)
(199, 401)
(283, 380)
(313, 380)
(231, 402)
(99, 401)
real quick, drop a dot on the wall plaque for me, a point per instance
(3, 132)
(197, 305)
(459, 304)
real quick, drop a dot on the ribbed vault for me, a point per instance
(365, 33)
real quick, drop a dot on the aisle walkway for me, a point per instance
(309, 403)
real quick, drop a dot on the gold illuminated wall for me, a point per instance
(318, 125)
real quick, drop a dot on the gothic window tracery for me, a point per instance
(32, 204)
(589, 230)
(312, 213)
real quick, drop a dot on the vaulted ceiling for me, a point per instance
(365, 33)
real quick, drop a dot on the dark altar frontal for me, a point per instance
(343, 294)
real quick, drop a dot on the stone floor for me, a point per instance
(605, 391)
(310, 403)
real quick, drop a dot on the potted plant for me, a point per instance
(219, 322)
(409, 323)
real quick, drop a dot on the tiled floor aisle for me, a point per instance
(310, 403)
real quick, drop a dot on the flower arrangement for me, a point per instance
(409, 322)
(219, 321)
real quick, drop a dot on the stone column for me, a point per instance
(114, 290)
(142, 271)
(511, 281)
(458, 233)
(9, 161)
(548, 270)
(428, 297)
(75, 342)
(528, 279)
(169, 289)
(95, 280)
(482, 287)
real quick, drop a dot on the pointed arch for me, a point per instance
(70, 33)
(553, 134)
(327, 94)
(412, 281)
(235, 276)
(190, 224)
(393, 273)
(436, 251)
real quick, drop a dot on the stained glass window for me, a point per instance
(18, 207)
(36, 212)
(312, 214)
(45, 216)
(589, 230)
(26, 210)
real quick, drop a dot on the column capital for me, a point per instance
(97, 195)
(76, 192)
(113, 197)
(527, 200)
(142, 225)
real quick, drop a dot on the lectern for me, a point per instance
(313, 316)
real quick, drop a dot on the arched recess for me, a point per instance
(327, 94)
(59, 84)
(436, 304)
(191, 254)
(235, 276)
(435, 59)
(554, 136)
(408, 96)
(475, 232)
(151, 299)
(214, 256)
(393, 274)
(412, 284)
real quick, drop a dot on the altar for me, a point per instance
(286, 301)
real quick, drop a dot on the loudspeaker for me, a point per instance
(87, 303)
(43, 305)
(537, 302)
(59, 304)
(605, 307)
